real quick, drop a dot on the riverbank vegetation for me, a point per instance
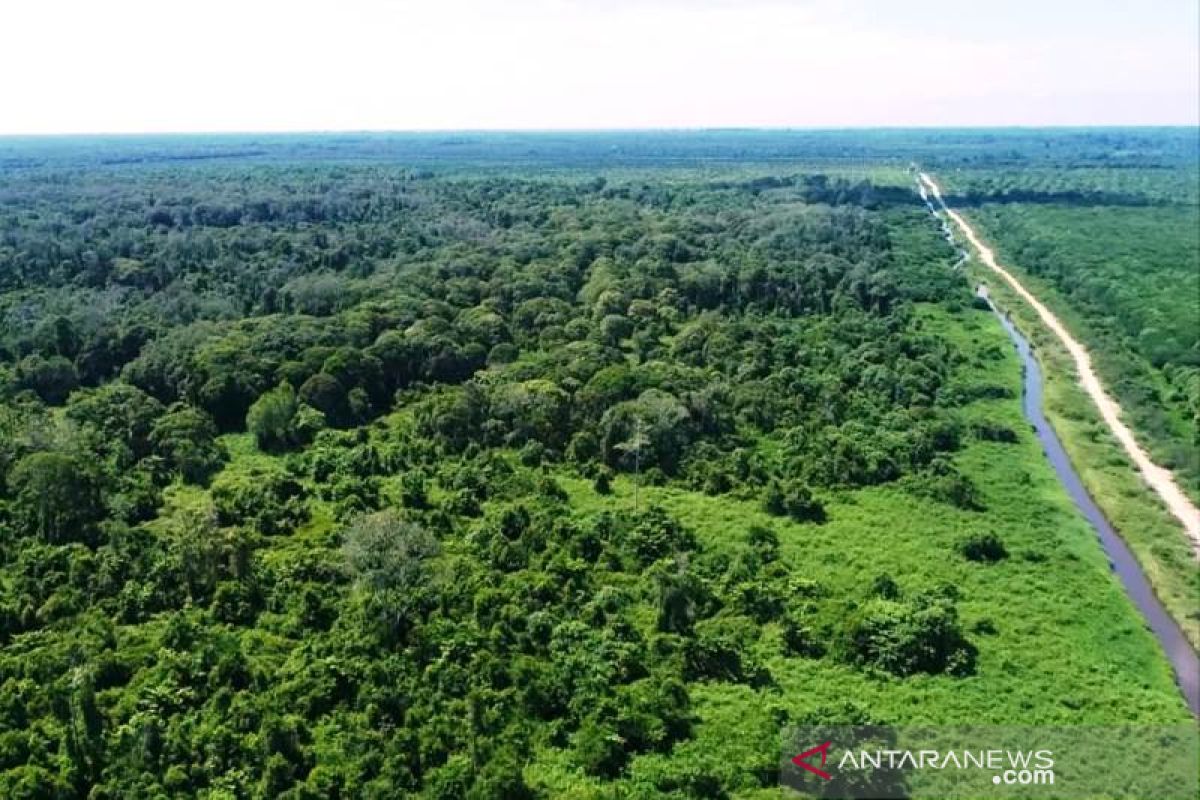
(332, 476)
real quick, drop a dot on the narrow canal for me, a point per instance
(1178, 651)
(1175, 645)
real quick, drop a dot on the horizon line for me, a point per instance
(594, 130)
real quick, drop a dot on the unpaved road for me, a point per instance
(1159, 479)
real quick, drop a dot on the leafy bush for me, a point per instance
(655, 534)
(905, 637)
(792, 499)
(269, 500)
(599, 749)
(985, 547)
(764, 542)
(801, 637)
(603, 482)
(944, 482)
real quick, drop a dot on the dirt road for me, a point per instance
(1159, 479)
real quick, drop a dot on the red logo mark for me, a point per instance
(800, 761)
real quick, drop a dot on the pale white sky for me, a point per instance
(266, 65)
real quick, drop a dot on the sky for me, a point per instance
(71, 66)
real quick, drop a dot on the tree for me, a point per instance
(201, 555)
(327, 395)
(534, 409)
(356, 369)
(231, 373)
(653, 430)
(85, 734)
(399, 358)
(272, 418)
(57, 496)
(58, 336)
(614, 328)
(123, 413)
(388, 558)
(185, 438)
(52, 379)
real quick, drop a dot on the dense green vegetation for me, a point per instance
(1117, 254)
(329, 476)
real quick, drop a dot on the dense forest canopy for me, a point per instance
(373, 466)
